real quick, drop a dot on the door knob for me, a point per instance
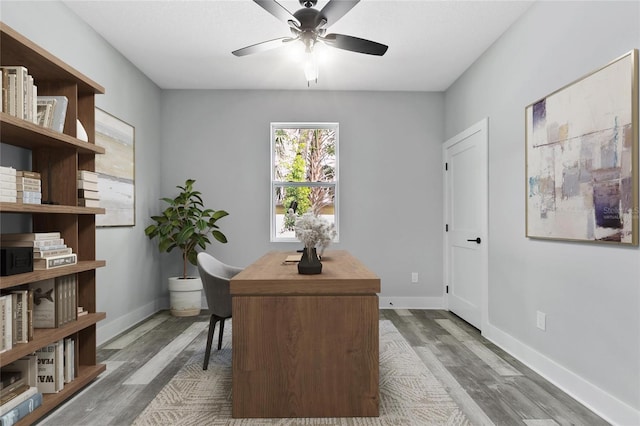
(477, 240)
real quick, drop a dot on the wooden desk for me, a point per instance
(305, 345)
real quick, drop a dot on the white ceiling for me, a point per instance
(187, 44)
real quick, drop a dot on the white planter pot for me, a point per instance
(185, 296)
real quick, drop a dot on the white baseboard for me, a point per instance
(112, 328)
(597, 400)
(411, 302)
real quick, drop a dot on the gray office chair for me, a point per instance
(215, 277)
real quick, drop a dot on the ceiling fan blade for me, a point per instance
(261, 47)
(336, 9)
(355, 44)
(277, 10)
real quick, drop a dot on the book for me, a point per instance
(21, 180)
(55, 261)
(69, 359)
(83, 184)
(27, 173)
(83, 202)
(51, 253)
(3, 326)
(10, 396)
(46, 249)
(59, 110)
(18, 399)
(59, 366)
(7, 178)
(13, 387)
(31, 243)
(5, 170)
(12, 416)
(21, 298)
(46, 379)
(6, 310)
(4, 199)
(88, 176)
(44, 303)
(88, 194)
(8, 185)
(18, 80)
(30, 236)
(14, 318)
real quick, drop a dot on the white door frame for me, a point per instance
(481, 127)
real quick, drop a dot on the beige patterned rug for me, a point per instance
(409, 393)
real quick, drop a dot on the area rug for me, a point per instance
(409, 393)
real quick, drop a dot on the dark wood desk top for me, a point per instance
(342, 274)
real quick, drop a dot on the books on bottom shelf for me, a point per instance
(54, 301)
(19, 391)
(56, 365)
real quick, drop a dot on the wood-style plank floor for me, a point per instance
(491, 387)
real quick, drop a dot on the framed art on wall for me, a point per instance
(116, 170)
(582, 158)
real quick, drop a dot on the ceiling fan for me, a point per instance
(309, 26)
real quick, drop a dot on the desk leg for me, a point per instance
(305, 356)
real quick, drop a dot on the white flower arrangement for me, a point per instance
(313, 230)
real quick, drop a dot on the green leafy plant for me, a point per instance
(186, 224)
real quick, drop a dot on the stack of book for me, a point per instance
(49, 249)
(88, 195)
(19, 390)
(29, 187)
(54, 301)
(8, 187)
(19, 94)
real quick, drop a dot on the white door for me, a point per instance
(465, 214)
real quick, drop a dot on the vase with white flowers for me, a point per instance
(314, 232)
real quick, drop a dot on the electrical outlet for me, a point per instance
(414, 277)
(541, 321)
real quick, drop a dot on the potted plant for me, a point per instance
(187, 225)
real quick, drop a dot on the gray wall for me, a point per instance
(390, 174)
(590, 292)
(129, 286)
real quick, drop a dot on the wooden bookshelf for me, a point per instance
(57, 157)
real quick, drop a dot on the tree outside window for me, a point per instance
(304, 158)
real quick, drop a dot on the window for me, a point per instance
(304, 175)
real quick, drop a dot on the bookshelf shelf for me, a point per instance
(19, 279)
(47, 209)
(44, 336)
(57, 157)
(24, 134)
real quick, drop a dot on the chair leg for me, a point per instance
(212, 326)
(220, 333)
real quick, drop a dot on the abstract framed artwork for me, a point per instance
(116, 170)
(582, 158)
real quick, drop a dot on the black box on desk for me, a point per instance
(16, 260)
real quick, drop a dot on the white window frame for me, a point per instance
(273, 232)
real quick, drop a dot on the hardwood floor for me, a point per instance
(491, 387)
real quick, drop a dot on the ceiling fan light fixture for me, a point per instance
(311, 67)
